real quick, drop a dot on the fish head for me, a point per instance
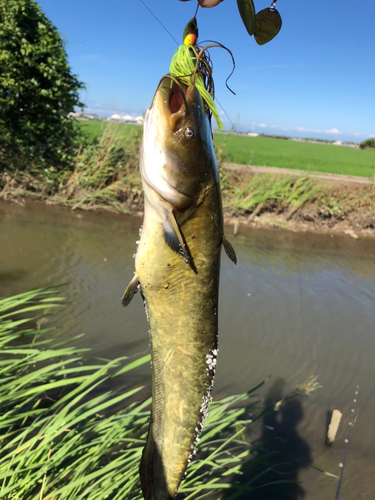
(177, 155)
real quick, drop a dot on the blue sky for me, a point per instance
(315, 79)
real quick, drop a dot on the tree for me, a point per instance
(37, 90)
(368, 143)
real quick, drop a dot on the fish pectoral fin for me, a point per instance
(229, 250)
(174, 239)
(131, 289)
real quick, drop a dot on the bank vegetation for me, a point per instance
(104, 174)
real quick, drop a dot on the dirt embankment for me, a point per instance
(340, 205)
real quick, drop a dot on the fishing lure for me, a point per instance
(190, 35)
(264, 25)
(191, 65)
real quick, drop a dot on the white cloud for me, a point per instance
(356, 133)
(332, 131)
(262, 125)
(315, 131)
(303, 129)
(275, 126)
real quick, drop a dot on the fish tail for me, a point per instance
(153, 482)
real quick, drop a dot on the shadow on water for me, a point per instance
(7, 277)
(283, 450)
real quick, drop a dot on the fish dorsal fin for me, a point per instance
(131, 289)
(229, 250)
(174, 239)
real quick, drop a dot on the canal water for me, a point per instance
(286, 313)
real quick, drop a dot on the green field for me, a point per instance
(263, 151)
(95, 128)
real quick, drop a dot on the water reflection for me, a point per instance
(296, 262)
(301, 314)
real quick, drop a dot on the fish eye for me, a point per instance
(189, 133)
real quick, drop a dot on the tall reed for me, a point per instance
(73, 430)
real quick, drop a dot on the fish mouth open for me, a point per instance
(174, 101)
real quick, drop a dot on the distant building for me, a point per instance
(113, 118)
(125, 119)
(135, 121)
(83, 116)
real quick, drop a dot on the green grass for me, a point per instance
(297, 155)
(289, 192)
(270, 152)
(72, 431)
(95, 128)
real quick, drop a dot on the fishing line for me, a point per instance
(243, 145)
(266, 188)
(161, 24)
(351, 424)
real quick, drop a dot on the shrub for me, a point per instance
(37, 90)
(368, 143)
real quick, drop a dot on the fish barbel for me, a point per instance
(177, 268)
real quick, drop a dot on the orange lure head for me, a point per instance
(190, 35)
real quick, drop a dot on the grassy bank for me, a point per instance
(105, 174)
(264, 151)
(70, 430)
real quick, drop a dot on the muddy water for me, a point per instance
(284, 313)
